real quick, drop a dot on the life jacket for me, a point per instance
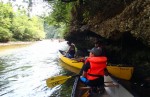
(97, 66)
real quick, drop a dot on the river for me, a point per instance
(24, 70)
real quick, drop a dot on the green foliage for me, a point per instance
(50, 30)
(18, 26)
(6, 14)
(60, 13)
(25, 28)
(54, 31)
(60, 17)
(5, 35)
(86, 16)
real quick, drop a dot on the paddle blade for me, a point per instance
(54, 81)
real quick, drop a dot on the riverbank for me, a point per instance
(12, 46)
(15, 43)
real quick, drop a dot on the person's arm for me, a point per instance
(85, 69)
(84, 74)
(69, 49)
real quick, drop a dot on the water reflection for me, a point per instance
(23, 71)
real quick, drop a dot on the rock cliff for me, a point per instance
(123, 26)
(111, 18)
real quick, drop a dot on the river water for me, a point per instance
(24, 70)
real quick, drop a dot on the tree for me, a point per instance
(6, 15)
(18, 25)
(60, 16)
(25, 28)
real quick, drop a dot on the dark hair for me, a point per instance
(98, 42)
(68, 42)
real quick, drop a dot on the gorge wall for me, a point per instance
(123, 26)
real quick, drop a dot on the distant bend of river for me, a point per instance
(24, 70)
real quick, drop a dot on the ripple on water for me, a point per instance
(23, 73)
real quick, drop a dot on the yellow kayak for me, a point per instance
(71, 62)
(121, 72)
(116, 71)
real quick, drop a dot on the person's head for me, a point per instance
(97, 44)
(69, 43)
(95, 52)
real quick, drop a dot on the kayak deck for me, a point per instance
(112, 89)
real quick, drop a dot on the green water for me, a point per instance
(24, 70)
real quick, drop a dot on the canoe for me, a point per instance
(71, 62)
(116, 71)
(121, 72)
(112, 89)
(68, 67)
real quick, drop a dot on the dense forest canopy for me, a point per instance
(60, 16)
(18, 25)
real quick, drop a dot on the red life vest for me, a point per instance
(97, 66)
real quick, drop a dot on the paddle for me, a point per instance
(54, 81)
(62, 52)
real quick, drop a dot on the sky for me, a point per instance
(39, 7)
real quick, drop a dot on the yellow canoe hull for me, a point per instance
(121, 72)
(71, 62)
(116, 71)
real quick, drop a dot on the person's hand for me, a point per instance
(83, 79)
